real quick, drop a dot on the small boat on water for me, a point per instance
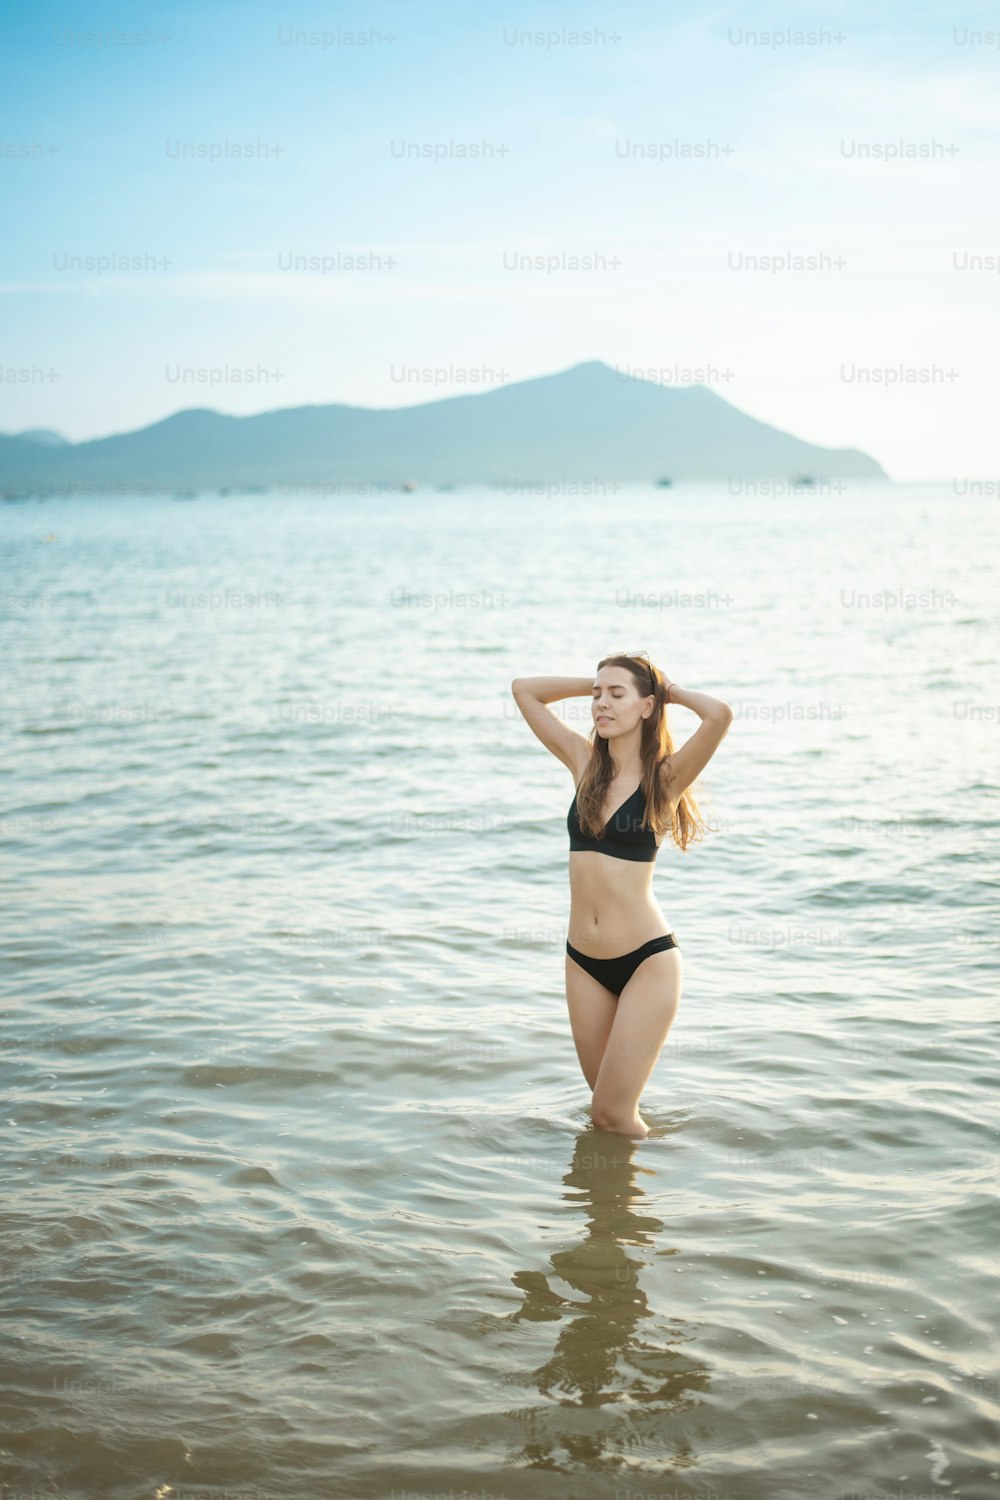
(664, 484)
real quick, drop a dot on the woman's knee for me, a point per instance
(619, 1124)
(608, 1113)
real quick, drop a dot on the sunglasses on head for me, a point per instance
(642, 656)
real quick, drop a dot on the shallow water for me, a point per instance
(303, 1199)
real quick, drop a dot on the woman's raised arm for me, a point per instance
(531, 694)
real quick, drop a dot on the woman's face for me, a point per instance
(616, 705)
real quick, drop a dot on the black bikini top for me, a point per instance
(623, 837)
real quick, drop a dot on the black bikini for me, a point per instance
(624, 838)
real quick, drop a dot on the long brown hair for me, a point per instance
(683, 822)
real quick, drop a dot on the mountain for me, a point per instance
(47, 437)
(590, 422)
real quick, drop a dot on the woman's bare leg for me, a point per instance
(646, 1009)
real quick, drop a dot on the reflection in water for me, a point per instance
(611, 1348)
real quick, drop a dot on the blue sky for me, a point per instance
(887, 344)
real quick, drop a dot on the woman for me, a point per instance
(623, 965)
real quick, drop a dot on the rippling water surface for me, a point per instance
(303, 1198)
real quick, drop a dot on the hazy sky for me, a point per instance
(671, 148)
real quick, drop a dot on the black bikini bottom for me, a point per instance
(615, 973)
